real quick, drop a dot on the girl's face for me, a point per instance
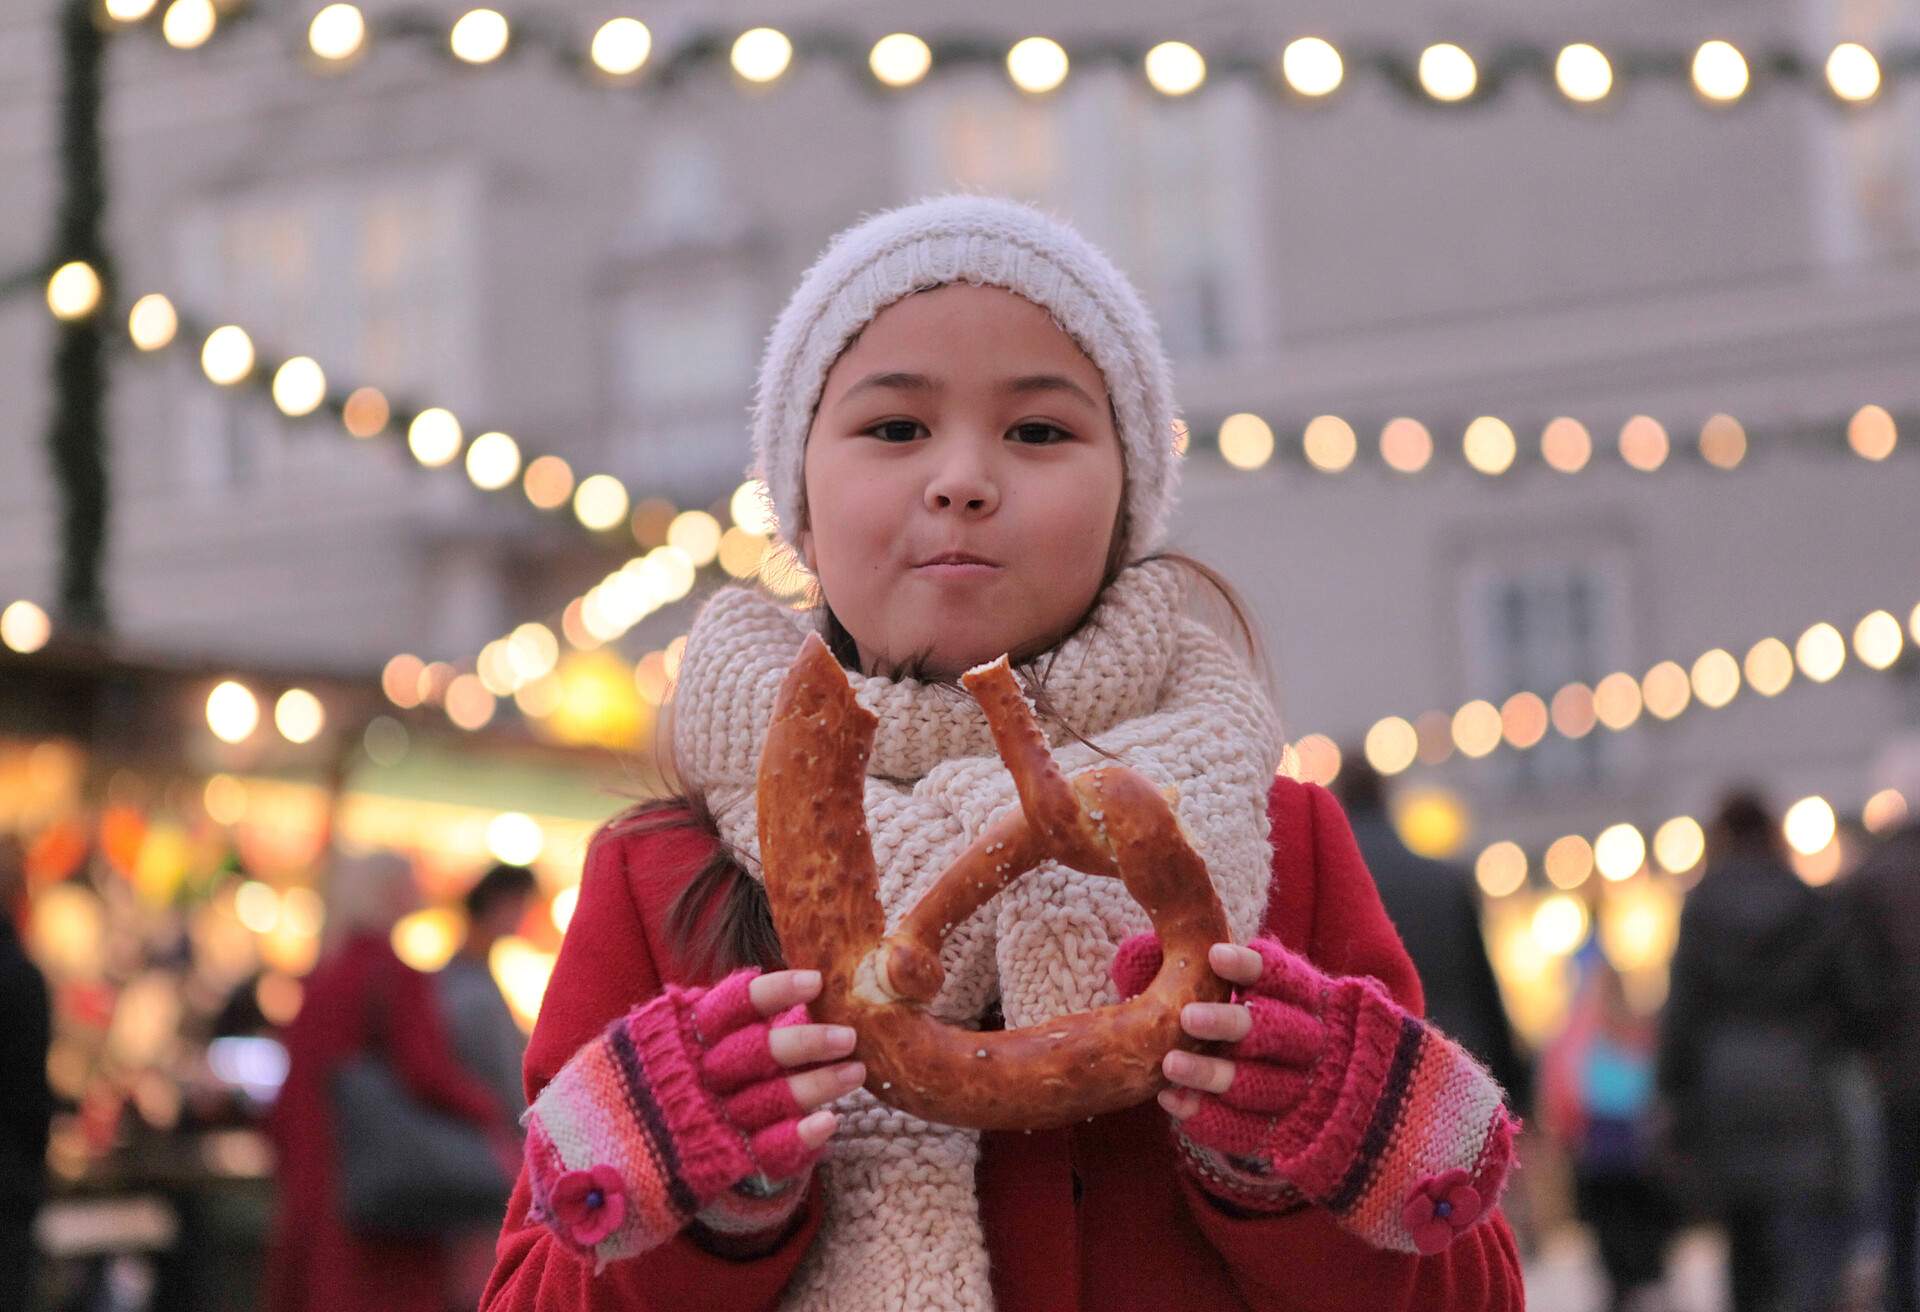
(963, 482)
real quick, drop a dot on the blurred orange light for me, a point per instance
(1523, 719)
(1644, 444)
(548, 482)
(366, 413)
(1406, 446)
(1566, 446)
(1573, 710)
(1723, 442)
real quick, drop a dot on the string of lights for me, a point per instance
(1810, 828)
(1490, 445)
(526, 664)
(1328, 444)
(299, 387)
(1668, 690)
(1305, 71)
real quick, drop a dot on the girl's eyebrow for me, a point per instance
(896, 380)
(1048, 383)
(892, 381)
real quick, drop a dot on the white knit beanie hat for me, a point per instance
(982, 240)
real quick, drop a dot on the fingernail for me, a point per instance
(819, 1125)
(1178, 1065)
(840, 1036)
(851, 1072)
(807, 979)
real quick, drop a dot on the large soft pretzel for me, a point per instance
(821, 882)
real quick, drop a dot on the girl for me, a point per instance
(965, 423)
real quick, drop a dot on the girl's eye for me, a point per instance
(896, 430)
(1039, 434)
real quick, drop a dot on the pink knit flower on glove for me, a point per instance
(1331, 1094)
(1440, 1208)
(589, 1204)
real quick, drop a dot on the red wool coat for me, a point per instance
(1096, 1216)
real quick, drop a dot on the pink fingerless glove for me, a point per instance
(677, 1113)
(1343, 1099)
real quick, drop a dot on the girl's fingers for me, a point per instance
(782, 1151)
(777, 990)
(1282, 1034)
(1229, 1022)
(1179, 1103)
(811, 1088)
(807, 1045)
(759, 1105)
(1236, 965)
(1191, 1070)
(815, 1130)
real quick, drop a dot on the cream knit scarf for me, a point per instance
(1147, 682)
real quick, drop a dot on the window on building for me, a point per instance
(371, 277)
(1537, 627)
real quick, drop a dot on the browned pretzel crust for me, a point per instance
(821, 882)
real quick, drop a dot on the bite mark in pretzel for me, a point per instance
(822, 885)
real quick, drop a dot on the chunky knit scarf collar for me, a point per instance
(1143, 680)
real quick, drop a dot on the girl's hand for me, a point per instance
(699, 1106)
(1273, 1023)
(1224, 1022)
(1331, 1094)
(805, 1048)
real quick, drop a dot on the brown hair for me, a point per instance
(720, 920)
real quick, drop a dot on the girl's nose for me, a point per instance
(962, 482)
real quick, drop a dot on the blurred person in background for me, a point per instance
(360, 998)
(1596, 1100)
(26, 1102)
(1884, 894)
(1755, 1028)
(1435, 907)
(486, 1038)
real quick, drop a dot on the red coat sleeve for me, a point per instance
(1324, 904)
(607, 965)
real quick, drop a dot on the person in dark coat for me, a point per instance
(26, 1103)
(1437, 911)
(485, 1036)
(1885, 893)
(1754, 1028)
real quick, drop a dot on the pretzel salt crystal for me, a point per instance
(821, 880)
